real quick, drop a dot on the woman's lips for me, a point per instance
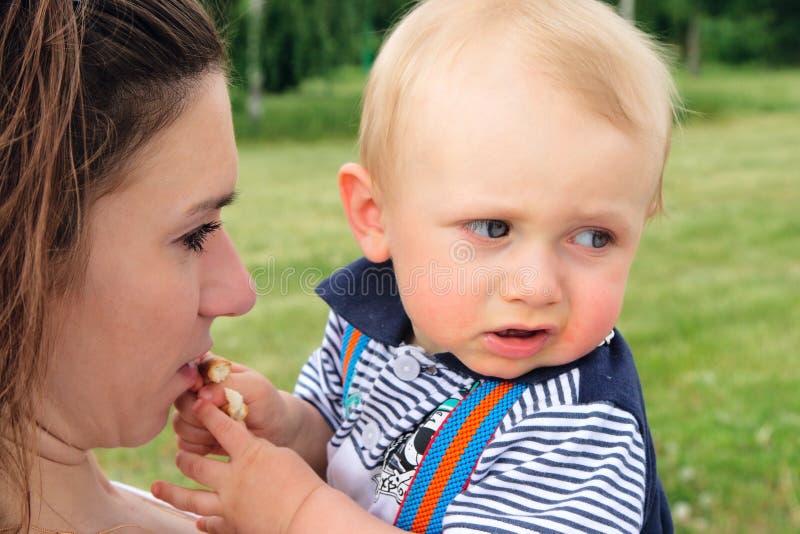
(516, 343)
(189, 371)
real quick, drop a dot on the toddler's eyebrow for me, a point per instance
(213, 204)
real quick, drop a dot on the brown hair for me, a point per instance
(83, 84)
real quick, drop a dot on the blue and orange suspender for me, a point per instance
(452, 452)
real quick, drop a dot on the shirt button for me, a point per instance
(370, 435)
(406, 367)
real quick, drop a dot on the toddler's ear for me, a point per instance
(363, 211)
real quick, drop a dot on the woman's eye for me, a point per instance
(593, 238)
(195, 239)
(491, 228)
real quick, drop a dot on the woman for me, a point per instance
(116, 157)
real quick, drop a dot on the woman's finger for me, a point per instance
(200, 502)
(206, 471)
(232, 436)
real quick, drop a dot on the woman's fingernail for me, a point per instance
(205, 394)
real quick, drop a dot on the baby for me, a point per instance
(470, 377)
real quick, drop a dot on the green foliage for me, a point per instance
(308, 38)
(304, 38)
(737, 40)
(732, 30)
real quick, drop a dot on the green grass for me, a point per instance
(721, 91)
(321, 108)
(711, 312)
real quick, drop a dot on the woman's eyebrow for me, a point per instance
(213, 204)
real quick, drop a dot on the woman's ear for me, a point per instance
(363, 211)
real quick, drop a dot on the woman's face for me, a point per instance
(160, 270)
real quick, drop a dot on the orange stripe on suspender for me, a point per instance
(454, 452)
(351, 345)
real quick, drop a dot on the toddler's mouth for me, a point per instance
(516, 343)
(513, 332)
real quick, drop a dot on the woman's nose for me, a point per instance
(226, 288)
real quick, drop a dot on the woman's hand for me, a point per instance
(266, 417)
(259, 490)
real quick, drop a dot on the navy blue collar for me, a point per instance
(367, 296)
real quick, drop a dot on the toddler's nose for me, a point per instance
(533, 281)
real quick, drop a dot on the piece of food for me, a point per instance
(236, 408)
(214, 369)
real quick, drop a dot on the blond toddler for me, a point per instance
(471, 377)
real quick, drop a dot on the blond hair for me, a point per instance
(581, 45)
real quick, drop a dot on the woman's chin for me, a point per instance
(146, 421)
(141, 430)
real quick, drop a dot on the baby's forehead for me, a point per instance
(500, 58)
(506, 95)
(505, 124)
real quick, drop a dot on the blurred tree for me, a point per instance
(255, 77)
(627, 8)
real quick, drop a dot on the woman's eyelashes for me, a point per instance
(489, 228)
(593, 238)
(195, 239)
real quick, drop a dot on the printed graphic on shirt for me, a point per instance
(351, 402)
(405, 453)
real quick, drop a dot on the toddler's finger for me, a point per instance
(191, 433)
(215, 525)
(232, 436)
(201, 450)
(183, 405)
(198, 502)
(206, 471)
(214, 393)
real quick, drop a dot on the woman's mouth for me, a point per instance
(189, 372)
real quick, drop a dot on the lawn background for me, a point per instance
(711, 312)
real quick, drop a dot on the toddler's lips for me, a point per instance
(515, 343)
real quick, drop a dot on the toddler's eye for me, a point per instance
(195, 239)
(593, 238)
(491, 228)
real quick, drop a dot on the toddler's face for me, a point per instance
(514, 223)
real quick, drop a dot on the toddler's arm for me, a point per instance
(273, 414)
(263, 488)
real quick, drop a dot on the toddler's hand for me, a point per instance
(266, 410)
(259, 490)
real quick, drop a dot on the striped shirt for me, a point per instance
(570, 455)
